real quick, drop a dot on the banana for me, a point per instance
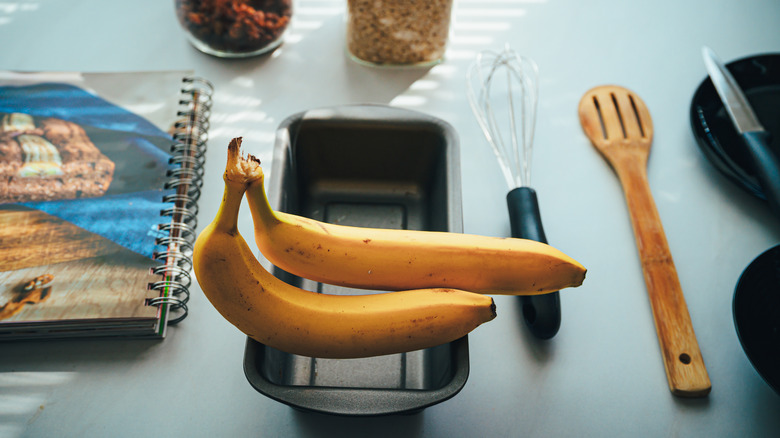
(310, 324)
(370, 258)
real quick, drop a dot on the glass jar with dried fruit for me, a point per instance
(398, 32)
(234, 28)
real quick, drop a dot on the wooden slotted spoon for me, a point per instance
(618, 124)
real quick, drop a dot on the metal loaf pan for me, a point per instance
(364, 165)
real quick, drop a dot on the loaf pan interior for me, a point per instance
(364, 165)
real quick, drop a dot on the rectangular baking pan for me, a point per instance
(364, 165)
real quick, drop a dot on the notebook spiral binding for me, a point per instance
(185, 178)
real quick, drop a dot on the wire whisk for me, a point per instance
(503, 90)
(506, 83)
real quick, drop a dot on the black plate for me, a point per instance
(756, 310)
(759, 78)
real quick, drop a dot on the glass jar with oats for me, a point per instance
(398, 32)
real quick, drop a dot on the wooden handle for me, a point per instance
(684, 364)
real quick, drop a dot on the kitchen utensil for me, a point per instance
(506, 83)
(716, 135)
(754, 137)
(618, 124)
(756, 309)
(374, 166)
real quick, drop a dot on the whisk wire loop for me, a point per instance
(520, 82)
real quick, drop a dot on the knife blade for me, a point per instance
(737, 106)
(756, 139)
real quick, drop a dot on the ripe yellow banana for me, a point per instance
(370, 258)
(311, 324)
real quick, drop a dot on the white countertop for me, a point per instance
(601, 376)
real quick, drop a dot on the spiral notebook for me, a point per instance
(100, 175)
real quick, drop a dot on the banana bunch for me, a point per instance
(297, 321)
(432, 272)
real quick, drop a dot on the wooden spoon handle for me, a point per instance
(683, 361)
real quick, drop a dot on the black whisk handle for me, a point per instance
(524, 217)
(542, 313)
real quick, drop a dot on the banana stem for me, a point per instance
(246, 174)
(259, 205)
(238, 174)
(227, 217)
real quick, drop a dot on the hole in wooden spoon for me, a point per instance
(684, 358)
(636, 114)
(601, 117)
(620, 116)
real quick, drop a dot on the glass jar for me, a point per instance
(398, 32)
(234, 28)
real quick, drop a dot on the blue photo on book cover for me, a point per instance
(75, 156)
(95, 194)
